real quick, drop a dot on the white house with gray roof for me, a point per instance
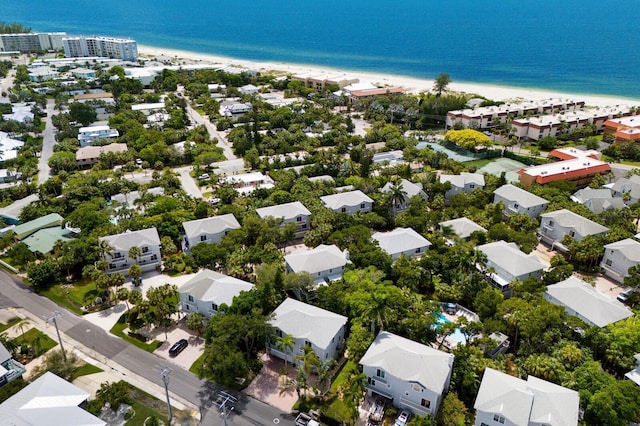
(294, 212)
(464, 182)
(598, 200)
(351, 202)
(518, 201)
(402, 241)
(410, 190)
(506, 400)
(462, 227)
(147, 240)
(581, 300)
(209, 230)
(10, 369)
(324, 263)
(48, 400)
(506, 263)
(628, 189)
(208, 290)
(310, 326)
(412, 375)
(619, 257)
(634, 375)
(555, 225)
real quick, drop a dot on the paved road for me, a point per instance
(188, 184)
(119, 353)
(213, 132)
(48, 141)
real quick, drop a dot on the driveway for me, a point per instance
(267, 384)
(189, 355)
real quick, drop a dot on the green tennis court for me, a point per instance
(500, 165)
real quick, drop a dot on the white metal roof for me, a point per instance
(210, 225)
(211, 286)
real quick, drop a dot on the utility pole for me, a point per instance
(225, 402)
(164, 373)
(52, 319)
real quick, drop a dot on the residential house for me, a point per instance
(23, 230)
(324, 263)
(41, 235)
(555, 225)
(402, 241)
(309, 326)
(87, 135)
(209, 290)
(89, 155)
(209, 230)
(147, 240)
(619, 257)
(634, 375)
(48, 400)
(506, 400)
(351, 202)
(42, 73)
(628, 189)
(518, 201)
(248, 89)
(581, 300)
(9, 147)
(598, 200)
(464, 182)
(234, 109)
(462, 227)
(10, 369)
(294, 212)
(506, 263)
(409, 189)
(83, 73)
(130, 199)
(412, 375)
(246, 183)
(20, 112)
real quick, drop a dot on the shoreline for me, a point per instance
(412, 84)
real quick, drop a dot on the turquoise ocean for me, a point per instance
(575, 46)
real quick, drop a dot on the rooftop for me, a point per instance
(400, 240)
(520, 196)
(571, 220)
(210, 225)
(287, 211)
(319, 259)
(211, 286)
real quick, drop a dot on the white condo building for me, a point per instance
(106, 47)
(31, 42)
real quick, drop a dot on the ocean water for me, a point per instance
(576, 46)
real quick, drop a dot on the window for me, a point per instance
(190, 298)
(416, 387)
(483, 424)
(498, 418)
(304, 226)
(371, 381)
(299, 219)
(154, 257)
(343, 210)
(117, 255)
(145, 249)
(214, 307)
(380, 373)
(516, 206)
(362, 206)
(425, 403)
(203, 237)
(418, 250)
(278, 332)
(608, 262)
(572, 233)
(307, 343)
(186, 306)
(550, 224)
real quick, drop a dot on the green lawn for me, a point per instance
(14, 321)
(72, 297)
(118, 330)
(37, 340)
(85, 370)
(196, 367)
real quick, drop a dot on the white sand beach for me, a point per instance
(412, 84)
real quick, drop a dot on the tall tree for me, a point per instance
(441, 83)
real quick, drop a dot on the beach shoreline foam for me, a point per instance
(412, 84)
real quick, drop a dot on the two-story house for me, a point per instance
(309, 326)
(555, 225)
(506, 263)
(294, 212)
(402, 241)
(598, 200)
(413, 376)
(506, 400)
(209, 230)
(208, 290)
(619, 257)
(147, 240)
(409, 189)
(10, 369)
(462, 227)
(518, 201)
(628, 189)
(324, 263)
(351, 202)
(464, 182)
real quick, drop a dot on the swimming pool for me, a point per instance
(457, 336)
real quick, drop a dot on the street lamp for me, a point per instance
(52, 318)
(164, 373)
(226, 402)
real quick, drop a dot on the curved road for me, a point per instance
(13, 293)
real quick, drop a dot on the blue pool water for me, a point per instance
(457, 335)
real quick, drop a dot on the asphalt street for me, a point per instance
(48, 141)
(186, 385)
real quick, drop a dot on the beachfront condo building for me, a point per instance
(105, 47)
(31, 42)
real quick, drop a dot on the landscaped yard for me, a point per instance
(121, 325)
(33, 344)
(10, 324)
(72, 296)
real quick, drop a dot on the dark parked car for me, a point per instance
(178, 347)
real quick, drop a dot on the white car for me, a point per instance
(204, 176)
(402, 419)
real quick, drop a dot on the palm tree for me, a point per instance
(10, 344)
(323, 372)
(285, 343)
(298, 384)
(135, 271)
(309, 359)
(134, 253)
(397, 197)
(123, 296)
(104, 248)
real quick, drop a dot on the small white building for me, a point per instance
(413, 376)
(351, 202)
(209, 230)
(310, 326)
(581, 300)
(246, 183)
(402, 241)
(209, 290)
(464, 182)
(324, 263)
(506, 400)
(410, 189)
(619, 257)
(506, 263)
(555, 225)
(87, 135)
(462, 227)
(294, 212)
(248, 89)
(147, 240)
(234, 109)
(519, 201)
